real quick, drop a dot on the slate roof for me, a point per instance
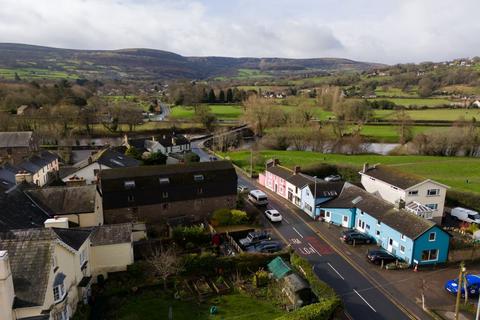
(65, 200)
(394, 177)
(15, 139)
(18, 211)
(403, 221)
(74, 238)
(168, 140)
(114, 159)
(280, 171)
(111, 234)
(326, 189)
(30, 260)
(299, 180)
(219, 179)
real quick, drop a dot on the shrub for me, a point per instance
(191, 234)
(320, 288)
(221, 217)
(238, 217)
(318, 311)
(464, 199)
(260, 278)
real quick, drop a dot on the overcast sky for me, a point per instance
(389, 31)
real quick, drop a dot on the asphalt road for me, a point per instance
(362, 300)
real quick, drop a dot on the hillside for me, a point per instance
(30, 61)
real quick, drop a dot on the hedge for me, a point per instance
(320, 288)
(464, 199)
(318, 311)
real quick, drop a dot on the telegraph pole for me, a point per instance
(459, 288)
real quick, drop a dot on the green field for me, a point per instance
(431, 114)
(222, 111)
(395, 92)
(453, 171)
(145, 105)
(389, 133)
(35, 73)
(420, 102)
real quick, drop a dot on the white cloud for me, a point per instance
(385, 31)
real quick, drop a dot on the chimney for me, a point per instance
(153, 138)
(296, 170)
(365, 167)
(56, 222)
(174, 141)
(76, 182)
(125, 141)
(23, 176)
(272, 163)
(7, 292)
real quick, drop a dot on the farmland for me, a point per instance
(222, 111)
(431, 114)
(35, 73)
(419, 102)
(437, 168)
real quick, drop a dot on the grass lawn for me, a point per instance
(389, 133)
(222, 111)
(431, 114)
(428, 102)
(452, 171)
(153, 305)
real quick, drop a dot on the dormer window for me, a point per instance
(130, 184)
(198, 177)
(59, 288)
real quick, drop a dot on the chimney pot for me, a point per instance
(296, 170)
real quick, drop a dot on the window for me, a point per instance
(433, 206)
(345, 218)
(395, 188)
(402, 249)
(129, 184)
(199, 191)
(378, 233)
(198, 177)
(432, 236)
(164, 194)
(403, 237)
(367, 227)
(433, 192)
(373, 179)
(413, 193)
(327, 214)
(308, 207)
(130, 198)
(164, 180)
(58, 292)
(83, 257)
(430, 255)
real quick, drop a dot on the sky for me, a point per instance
(386, 31)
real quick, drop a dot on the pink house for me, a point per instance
(276, 178)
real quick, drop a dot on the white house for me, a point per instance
(295, 183)
(88, 169)
(395, 186)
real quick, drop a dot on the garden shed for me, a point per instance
(279, 268)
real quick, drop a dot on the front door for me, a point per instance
(390, 245)
(275, 188)
(328, 217)
(345, 222)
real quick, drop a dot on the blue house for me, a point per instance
(402, 233)
(314, 194)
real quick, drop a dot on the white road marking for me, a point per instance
(285, 220)
(297, 232)
(336, 271)
(315, 250)
(364, 300)
(295, 241)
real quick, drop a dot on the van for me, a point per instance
(466, 215)
(258, 197)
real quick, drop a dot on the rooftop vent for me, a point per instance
(357, 200)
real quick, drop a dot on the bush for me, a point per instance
(260, 278)
(318, 311)
(320, 288)
(227, 217)
(463, 199)
(191, 234)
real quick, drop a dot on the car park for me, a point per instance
(333, 178)
(268, 246)
(254, 238)
(473, 285)
(378, 256)
(273, 215)
(356, 238)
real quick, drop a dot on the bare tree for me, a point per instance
(404, 126)
(261, 114)
(166, 263)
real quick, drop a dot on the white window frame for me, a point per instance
(198, 177)
(413, 193)
(402, 249)
(433, 206)
(59, 293)
(429, 251)
(129, 184)
(83, 257)
(434, 236)
(437, 192)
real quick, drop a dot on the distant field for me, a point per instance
(222, 111)
(35, 73)
(453, 171)
(389, 133)
(462, 89)
(395, 92)
(244, 74)
(431, 114)
(143, 104)
(428, 102)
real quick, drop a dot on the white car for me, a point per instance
(273, 215)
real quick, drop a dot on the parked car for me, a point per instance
(258, 197)
(266, 247)
(356, 237)
(213, 158)
(377, 256)
(473, 285)
(242, 189)
(254, 238)
(466, 215)
(333, 178)
(273, 215)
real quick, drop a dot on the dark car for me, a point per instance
(254, 238)
(377, 256)
(356, 237)
(268, 246)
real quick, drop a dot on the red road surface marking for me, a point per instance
(322, 248)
